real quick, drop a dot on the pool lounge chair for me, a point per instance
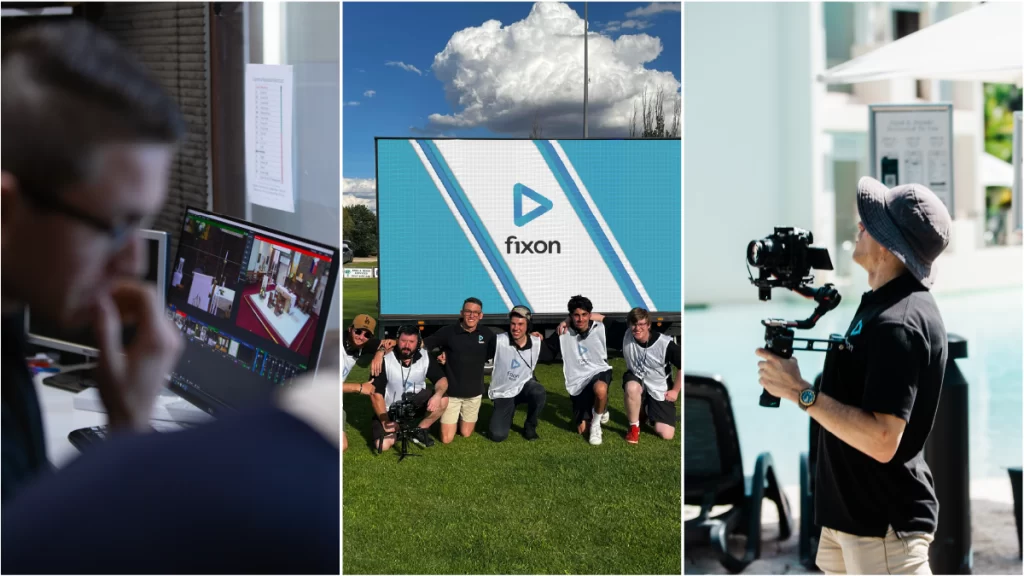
(714, 476)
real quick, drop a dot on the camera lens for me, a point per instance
(758, 251)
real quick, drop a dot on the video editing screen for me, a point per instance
(249, 303)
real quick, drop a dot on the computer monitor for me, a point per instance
(253, 305)
(82, 341)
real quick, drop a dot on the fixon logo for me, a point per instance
(543, 206)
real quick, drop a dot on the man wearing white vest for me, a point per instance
(648, 384)
(404, 374)
(584, 352)
(516, 354)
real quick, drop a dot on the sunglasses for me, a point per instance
(362, 332)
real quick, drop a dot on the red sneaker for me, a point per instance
(633, 436)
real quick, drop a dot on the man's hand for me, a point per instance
(562, 328)
(377, 364)
(441, 358)
(390, 427)
(672, 395)
(366, 388)
(129, 380)
(537, 335)
(780, 376)
(434, 404)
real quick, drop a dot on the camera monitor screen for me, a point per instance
(253, 306)
(530, 222)
(44, 333)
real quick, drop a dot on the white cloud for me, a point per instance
(404, 66)
(352, 103)
(359, 191)
(370, 93)
(501, 77)
(637, 24)
(655, 8)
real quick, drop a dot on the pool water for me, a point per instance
(721, 340)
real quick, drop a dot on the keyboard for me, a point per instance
(83, 438)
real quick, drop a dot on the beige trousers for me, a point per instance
(842, 553)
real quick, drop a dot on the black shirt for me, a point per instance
(434, 373)
(24, 445)
(121, 502)
(465, 356)
(895, 366)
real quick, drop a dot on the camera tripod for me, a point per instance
(779, 335)
(406, 431)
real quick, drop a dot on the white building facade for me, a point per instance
(766, 144)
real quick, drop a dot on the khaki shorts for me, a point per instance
(468, 408)
(842, 553)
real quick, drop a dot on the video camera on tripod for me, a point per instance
(785, 260)
(405, 414)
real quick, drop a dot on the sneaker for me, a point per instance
(605, 417)
(595, 432)
(633, 436)
(423, 439)
(530, 434)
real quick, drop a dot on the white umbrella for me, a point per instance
(995, 171)
(981, 44)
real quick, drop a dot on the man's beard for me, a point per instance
(403, 355)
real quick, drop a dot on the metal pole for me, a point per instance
(1015, 213)
(586, 77)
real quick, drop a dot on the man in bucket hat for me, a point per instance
(874, 495)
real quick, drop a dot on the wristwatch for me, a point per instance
(808, 398)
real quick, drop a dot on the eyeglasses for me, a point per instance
(117, 232)
(639, 325)
(362, 332)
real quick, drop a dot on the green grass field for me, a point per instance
(554, 506)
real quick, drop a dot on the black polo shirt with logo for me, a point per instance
(465, 355)
(894, 365)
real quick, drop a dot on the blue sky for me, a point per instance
(527, 70)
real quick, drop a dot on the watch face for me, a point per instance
(807, 396)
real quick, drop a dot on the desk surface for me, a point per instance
(60, 417)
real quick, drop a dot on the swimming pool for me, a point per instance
(721, 340)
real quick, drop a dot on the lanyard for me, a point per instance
(528, 365)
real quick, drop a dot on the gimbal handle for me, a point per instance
(779, 335)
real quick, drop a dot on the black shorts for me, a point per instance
(583, 403)
(419, 400)
(661, 411)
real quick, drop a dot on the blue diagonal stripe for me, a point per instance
(476, 227)
(586, 216)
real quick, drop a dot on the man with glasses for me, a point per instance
(465, 346)
(88, 142)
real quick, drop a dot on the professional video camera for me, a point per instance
(785, 260)
(404, 413)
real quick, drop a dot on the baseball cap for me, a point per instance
(521, 311)
(365, 322)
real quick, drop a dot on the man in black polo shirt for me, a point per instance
(874, 494)
(465, 346)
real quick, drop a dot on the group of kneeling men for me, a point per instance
(401, 368)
